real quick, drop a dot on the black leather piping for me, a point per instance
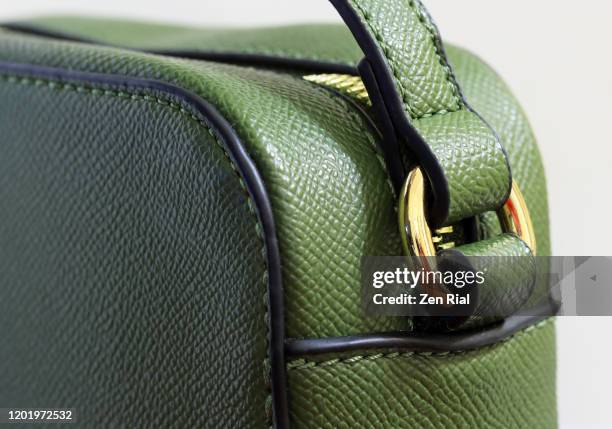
(423, 342)
(263, 61)
(389, 142)
(254, 183)
(238, 58)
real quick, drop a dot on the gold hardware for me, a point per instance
(438, 239)
(514, 217)
(347, 84)
(446, 246)
(416, 234)
(445, 230)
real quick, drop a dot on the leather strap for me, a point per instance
(413, 88)
(509, 269)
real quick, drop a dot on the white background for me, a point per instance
(555, 54)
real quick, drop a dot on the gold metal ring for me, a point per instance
(416, 235)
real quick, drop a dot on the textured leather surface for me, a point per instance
(490, 95)
(132, 273)
(509, 385)
(474, 163)
(408, 41)
(333, 204)
(509, 270)
(331, 195)
(472, 160)
(483, 88)
(426, 84)
(309, 42)
(321, 296)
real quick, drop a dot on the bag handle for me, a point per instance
(413, 89)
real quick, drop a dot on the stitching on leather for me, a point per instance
(58, 85)
(394, 67)
(300, 364)
(426, 21)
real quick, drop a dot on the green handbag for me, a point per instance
(185, 211)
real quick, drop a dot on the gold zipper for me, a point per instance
(350, 85)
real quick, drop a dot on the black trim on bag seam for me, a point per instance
(229, 57)
(422, 342)
(300, 363)
(255, 185)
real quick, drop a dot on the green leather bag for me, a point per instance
(184, 213)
